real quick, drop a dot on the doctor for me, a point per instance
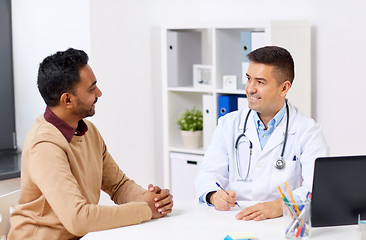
(256, 149)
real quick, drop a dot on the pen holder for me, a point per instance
(296, 217)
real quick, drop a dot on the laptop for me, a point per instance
(339, 191)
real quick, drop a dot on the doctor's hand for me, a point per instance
(261, 211)
(223, 201)
(163, 200)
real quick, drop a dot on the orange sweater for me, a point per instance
(61, 183)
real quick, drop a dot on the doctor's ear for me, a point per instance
(286, 87)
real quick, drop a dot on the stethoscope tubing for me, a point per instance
(286, 131)
(280, 164)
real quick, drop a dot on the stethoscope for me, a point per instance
(279, 164)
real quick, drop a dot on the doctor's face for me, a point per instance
(265, 94)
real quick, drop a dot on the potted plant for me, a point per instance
(191, 124)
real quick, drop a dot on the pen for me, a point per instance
(308, 197)
(225, 192)
(295, 222)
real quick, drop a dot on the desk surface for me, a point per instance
(190, 220)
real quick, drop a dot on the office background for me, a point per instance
(123, 41)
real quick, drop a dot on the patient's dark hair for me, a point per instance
(278, 57)
(59, 73)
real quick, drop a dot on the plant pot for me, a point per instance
(192, 139)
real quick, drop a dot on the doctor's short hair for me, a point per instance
(278, 57)
(59, 73)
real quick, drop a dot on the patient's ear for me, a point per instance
(67, 100)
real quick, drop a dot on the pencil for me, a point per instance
(286, 203)
(279, 189)
(292, 198)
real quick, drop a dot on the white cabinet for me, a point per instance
(223, 49)
(184, 169)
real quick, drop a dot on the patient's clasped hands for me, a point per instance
(159, 200)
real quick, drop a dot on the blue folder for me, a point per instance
(227, 104)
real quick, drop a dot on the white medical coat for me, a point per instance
(305, 143)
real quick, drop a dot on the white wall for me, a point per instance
(125, 41)
(40, 28)
(338, 59)
(125, 46)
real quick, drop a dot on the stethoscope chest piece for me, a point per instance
(280, 164)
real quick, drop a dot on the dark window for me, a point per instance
(7, 110)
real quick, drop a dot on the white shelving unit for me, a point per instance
(220, 46)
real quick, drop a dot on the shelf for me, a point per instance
(238, 91)
(190, 89)
(200, 151)
(205, 90)
(223, 47)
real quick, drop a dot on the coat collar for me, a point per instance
(277, 136)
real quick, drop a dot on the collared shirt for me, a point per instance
(63, 127)
(264, 134)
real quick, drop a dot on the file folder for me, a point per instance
(183, 50)
(227, 104)
(172, 58)
(246, 45)
(209, 120)
(244, 69)
(242, 102)
(258, 40)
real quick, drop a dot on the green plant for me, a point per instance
(191, 120)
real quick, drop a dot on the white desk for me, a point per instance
(190, 220)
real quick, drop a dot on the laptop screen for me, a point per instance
(339, 191)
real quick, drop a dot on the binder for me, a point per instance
(172, 58)
(246, 45)
(209, 123)
(258, 40)
(244, 69)
(183, 50)
(227, 104)
(242, 102)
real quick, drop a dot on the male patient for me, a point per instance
(65, 163)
